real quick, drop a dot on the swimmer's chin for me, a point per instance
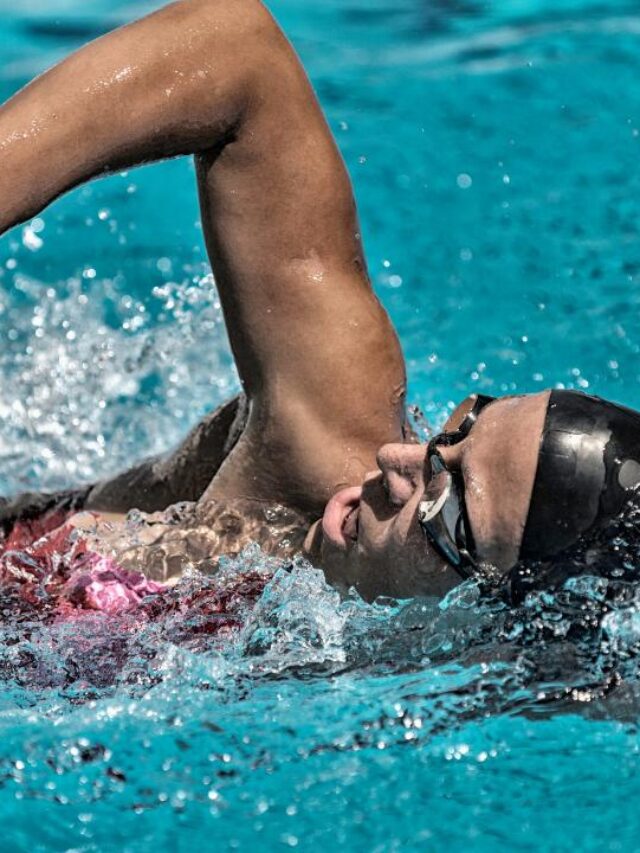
(332, 565)
(312, 547)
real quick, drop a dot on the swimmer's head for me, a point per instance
(525, 480)
(372, 537)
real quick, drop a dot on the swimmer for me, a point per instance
(508, 487)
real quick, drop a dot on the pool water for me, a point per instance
(494, 152)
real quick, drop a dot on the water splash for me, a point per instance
(82, 366)
(188, 704)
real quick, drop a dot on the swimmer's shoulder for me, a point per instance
(182, 474)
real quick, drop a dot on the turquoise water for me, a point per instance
(494, 151)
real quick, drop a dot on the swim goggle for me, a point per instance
(442, 513)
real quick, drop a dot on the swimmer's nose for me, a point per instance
(401, 466)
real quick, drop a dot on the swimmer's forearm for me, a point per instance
(173, 83)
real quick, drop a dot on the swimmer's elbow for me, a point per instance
(249, 20)
(219, 50)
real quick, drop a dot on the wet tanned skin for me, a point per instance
(319, 361)
(218, 80)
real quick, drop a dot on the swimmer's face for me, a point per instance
(370, 536)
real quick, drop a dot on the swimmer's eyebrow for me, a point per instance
(460, 462)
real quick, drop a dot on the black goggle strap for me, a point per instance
(482, 400)
(464, 536)
(437, 534)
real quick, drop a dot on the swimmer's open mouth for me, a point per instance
(340, 520)
(351, 523)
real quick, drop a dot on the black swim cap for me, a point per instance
(588, 476)
(588, 468)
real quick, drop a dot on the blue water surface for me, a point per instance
(494, 149)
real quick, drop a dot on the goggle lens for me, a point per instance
(442, 512)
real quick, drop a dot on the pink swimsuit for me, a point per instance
(46, 564)
(48, 560)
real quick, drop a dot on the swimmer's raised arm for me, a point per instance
(174, 83)
(317, 356)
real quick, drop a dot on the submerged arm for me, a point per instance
(317, 357)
